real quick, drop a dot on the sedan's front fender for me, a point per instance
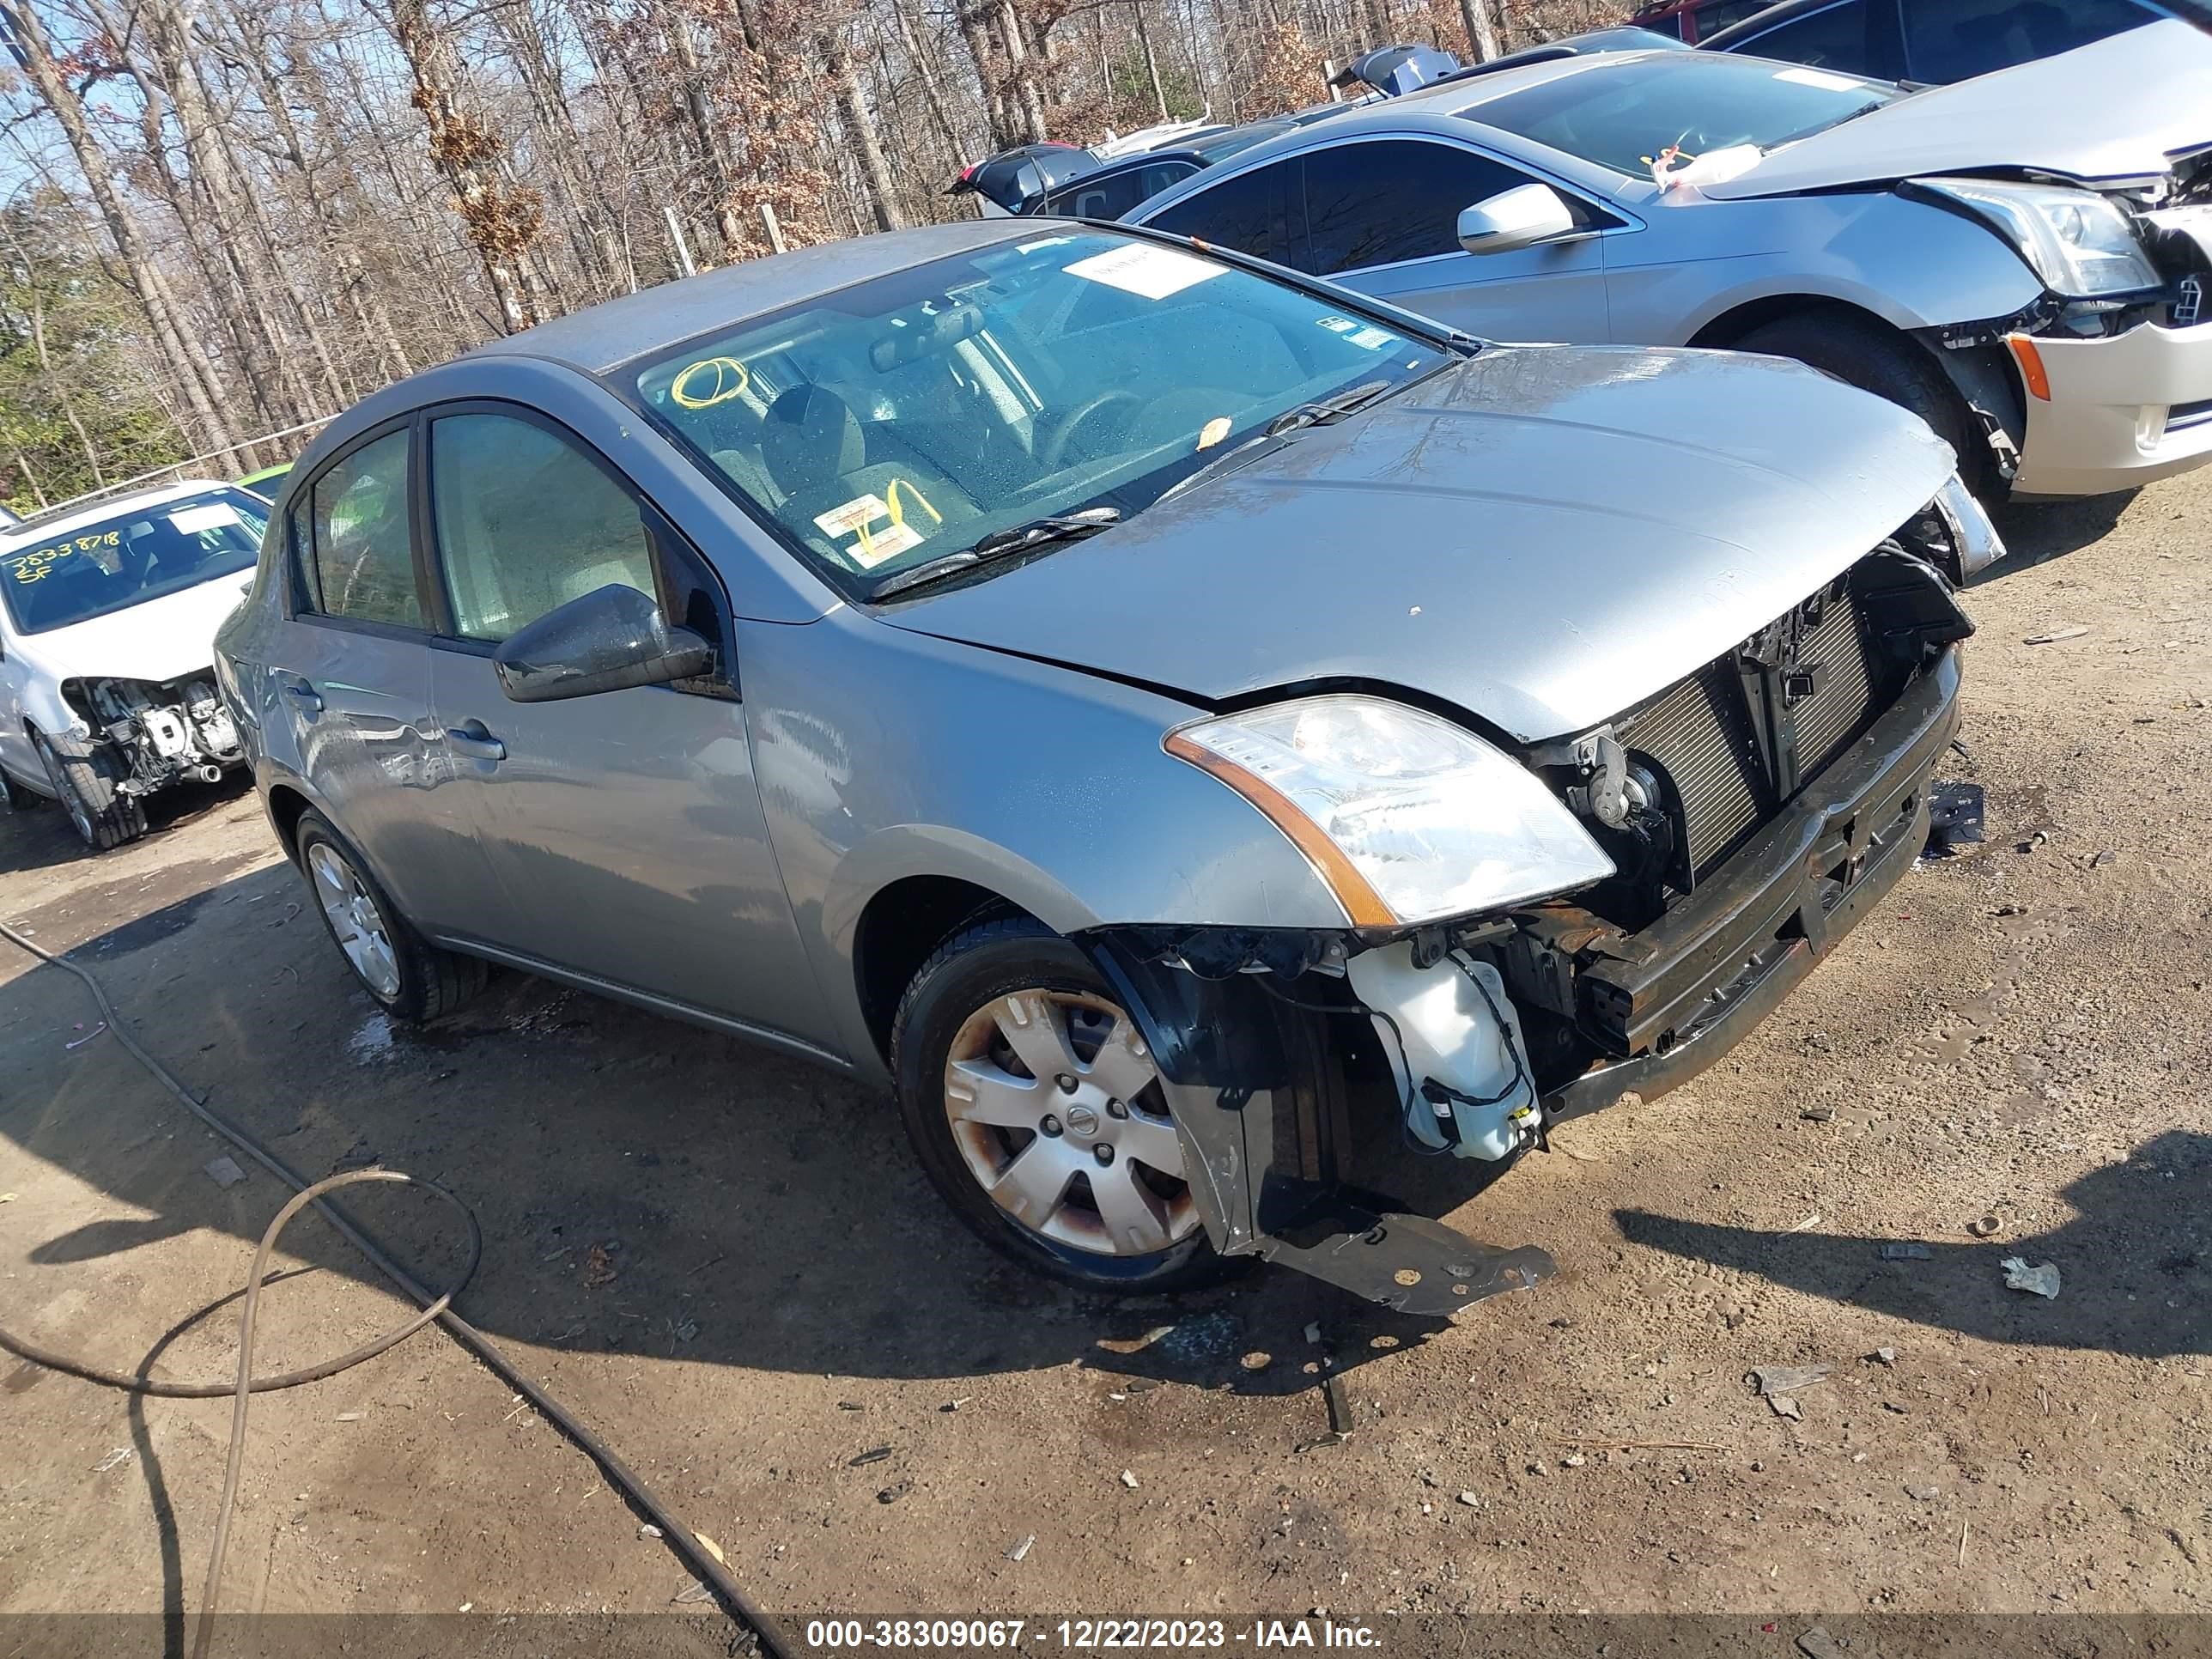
(884, 754)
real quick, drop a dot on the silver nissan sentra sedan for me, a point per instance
(1156, 716)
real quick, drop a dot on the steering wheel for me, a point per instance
(1056, 447)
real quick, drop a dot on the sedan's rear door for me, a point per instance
(625, 828)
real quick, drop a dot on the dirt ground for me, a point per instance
(730, 1266)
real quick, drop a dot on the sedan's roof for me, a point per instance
(616, 331)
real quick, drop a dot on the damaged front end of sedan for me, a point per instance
(154, 734)
(1726, 832)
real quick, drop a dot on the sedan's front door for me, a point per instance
(1382, 215)
(624, 829)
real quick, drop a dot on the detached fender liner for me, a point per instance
(1715, 965)
(1258, 1141)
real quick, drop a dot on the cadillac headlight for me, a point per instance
(1406, 816)
(2076, 241)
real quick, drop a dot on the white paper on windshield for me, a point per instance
(210, 515)
(869, 547)
(1041, 244)
(1372, 339)
(1149, 272)
(1820, 78)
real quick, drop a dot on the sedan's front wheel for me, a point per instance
(1038, 1112)
(83, 780)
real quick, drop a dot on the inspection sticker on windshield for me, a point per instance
(1151, 273)
(191, 520)
(870, 547)
(1365, 336)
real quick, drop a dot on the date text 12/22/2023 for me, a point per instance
(1084, 1635)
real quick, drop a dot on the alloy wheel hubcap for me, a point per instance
(1056, 1107)
(355, 920)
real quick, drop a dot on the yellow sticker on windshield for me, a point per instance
(709, 382)
(857, 519)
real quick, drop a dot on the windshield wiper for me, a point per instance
(998, 544)
(1326, 411)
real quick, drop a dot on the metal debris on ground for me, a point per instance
(1908, 1252)
(1816, 1643)
(87, 1035)
(648, 1530)
(1020, 1552)
(1340, 1405)
(1771, 1380)
(891, 1494)
(1783, 1405)
(2041, 1280)
(1884, 1356)
(1956, 814)
(120, 1454)
(955, 1404)
(225, 1172)
(1470, 1500)
(1985, 1226)
(1129, 1479)
(873, 1455)
(2073, 631)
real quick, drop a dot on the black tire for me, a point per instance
(971, 970)
(17, 797)
(83, 779)
(1874, 358)
(431, 983)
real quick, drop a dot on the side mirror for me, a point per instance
(609, 639)
(1513, 219)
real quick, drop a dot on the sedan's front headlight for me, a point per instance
(1406, 816)
(2078, 243)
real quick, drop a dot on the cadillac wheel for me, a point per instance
(1037, 1109)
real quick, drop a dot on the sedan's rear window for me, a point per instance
(1621, 115)
(892, 423)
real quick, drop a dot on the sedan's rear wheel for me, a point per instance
(413, 979)
(1037, 1110)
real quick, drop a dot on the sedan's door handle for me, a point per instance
(304, 693)
(471, 738)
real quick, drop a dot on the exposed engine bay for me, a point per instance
(158, 734)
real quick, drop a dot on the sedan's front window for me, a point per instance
(906, 418)
(1624, 115)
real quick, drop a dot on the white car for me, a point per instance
(2021, 259)
(107, 620)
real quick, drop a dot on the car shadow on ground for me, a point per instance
(39, 835)
(2134, 1265)
(645, 1187)
(2036, 533)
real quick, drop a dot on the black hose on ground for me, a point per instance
(680, 1538)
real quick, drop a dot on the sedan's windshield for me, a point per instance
(1622, 115)
(109, 564)
(906, 418)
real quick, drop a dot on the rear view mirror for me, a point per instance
(611, 639)
(1516, 218)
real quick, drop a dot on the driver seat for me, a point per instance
(816, 451)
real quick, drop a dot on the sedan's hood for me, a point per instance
(1542, 537)
(2122, 108)
(158, 640)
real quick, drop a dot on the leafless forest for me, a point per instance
(225, 219)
